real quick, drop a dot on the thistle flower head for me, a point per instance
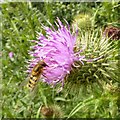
(83, 21)
(112, 32)
(56, 48)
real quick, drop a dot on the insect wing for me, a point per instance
(25, 82)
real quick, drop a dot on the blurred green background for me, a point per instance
(20, 23)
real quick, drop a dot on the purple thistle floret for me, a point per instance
(56, 48)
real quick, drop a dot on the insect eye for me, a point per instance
(36, 69)
(44, 65)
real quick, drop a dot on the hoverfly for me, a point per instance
(35, 74)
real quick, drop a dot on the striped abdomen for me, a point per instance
(35, 74)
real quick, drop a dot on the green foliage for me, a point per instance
(60, 9)
(20, 24)
(108, 13)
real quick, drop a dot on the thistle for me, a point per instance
(68, 62)
(112, 32)
(52, 111)
(93, 73)
(56, 49)
(82, 21)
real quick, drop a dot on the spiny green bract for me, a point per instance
(99, 70)
(83, 21)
